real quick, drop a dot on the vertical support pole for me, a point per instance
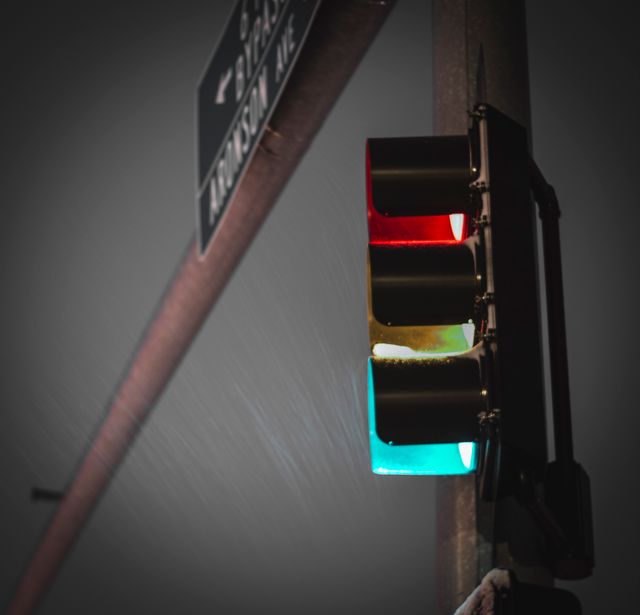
(474, 536)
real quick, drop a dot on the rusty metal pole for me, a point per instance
(339, 37)
(474, 536)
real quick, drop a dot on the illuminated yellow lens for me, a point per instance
(419, 341)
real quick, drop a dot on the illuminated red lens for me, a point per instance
(385, 229)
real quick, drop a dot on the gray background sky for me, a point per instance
(249, 490)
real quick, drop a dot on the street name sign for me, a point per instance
(238, 93)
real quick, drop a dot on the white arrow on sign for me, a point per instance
(222, 86)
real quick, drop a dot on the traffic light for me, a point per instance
(455, 373)
(455, 366)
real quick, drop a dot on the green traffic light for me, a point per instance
(416, 459)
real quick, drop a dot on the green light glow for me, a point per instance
(466, 450)
(416, 459)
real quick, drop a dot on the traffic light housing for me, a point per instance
(453, 303)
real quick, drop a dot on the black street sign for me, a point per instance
(238, 93)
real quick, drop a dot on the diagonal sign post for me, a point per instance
(237, 94)
(341, 34)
